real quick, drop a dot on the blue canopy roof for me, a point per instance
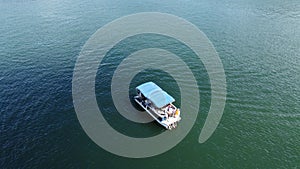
(154, 93)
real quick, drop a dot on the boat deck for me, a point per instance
(158, 114)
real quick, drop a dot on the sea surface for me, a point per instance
(258, 42)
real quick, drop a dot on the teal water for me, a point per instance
(257, 41)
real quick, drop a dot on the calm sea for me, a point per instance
(258, 42)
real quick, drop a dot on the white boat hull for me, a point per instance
(168, 122)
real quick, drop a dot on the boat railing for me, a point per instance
(156, 111)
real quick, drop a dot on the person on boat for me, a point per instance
(169, 110)
(147, 103)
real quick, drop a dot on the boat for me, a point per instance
(158, 104)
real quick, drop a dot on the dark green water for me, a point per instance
(257, 41)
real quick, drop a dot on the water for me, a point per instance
(257, 41)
